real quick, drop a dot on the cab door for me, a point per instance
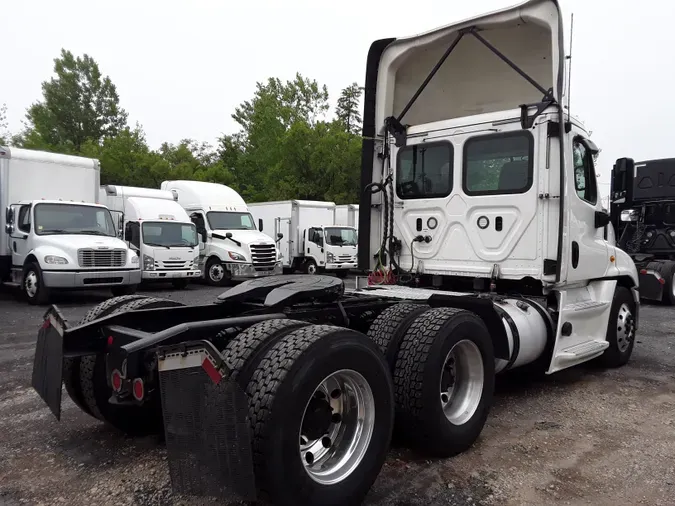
(587, 251)
(20, 236)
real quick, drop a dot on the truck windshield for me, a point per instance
(337, 236)
(73, 219)
(169, 234)
(220, 220)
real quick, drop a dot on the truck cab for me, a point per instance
(59, 244)
(332, 247)
(230, 246)
(159, 230)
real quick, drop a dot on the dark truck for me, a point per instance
(643, 216)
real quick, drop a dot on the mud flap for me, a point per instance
(206, 424)
(48, 362)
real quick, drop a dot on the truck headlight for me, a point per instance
(236, 256)
(55, 260)
(148, 263)
(629, 215)
(330, 257)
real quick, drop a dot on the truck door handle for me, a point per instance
(498, 223)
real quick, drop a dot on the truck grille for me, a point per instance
(343, 259)
(101, 257)
(264, 256)
(173, 265)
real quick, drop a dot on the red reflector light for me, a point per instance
(643, 271)
(116, 380)
(662, 281)
(139, 389)
(46, 324)
(110, 340)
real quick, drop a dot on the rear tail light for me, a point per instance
(138, 389)
(116, 380)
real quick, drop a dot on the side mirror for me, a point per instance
(623, 174)
(228, 235)
(9, 215)
(202, 233)
(9, 228)
(601, 219)
(280, 236)
(127, 232)
(260, 224)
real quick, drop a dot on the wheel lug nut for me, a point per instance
(326, 442)
(336, 418)
(336, 393)
(309, 458)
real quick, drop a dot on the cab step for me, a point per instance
(583, 351)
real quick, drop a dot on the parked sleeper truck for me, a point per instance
(230, 246)
(159, 230)
(644, 208)
(55, 236)
(287, 388)
(308, 237)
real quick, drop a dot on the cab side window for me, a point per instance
(23, 223)
(585, 182)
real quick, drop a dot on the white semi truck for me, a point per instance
(348, 215)
(309, 238)
(55, 236)
(230, 246)
(494, 209)
(158, 229)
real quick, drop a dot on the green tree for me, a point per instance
(79, 106)
(348, 110)
(4, 134)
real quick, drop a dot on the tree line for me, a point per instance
(288, 143)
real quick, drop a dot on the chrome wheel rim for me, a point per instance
(462, 382)
(31, 283)
(216, 272)
(337, 426)
(624, 328)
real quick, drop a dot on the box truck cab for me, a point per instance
(55, 235)
(159, 230)
(309, 238)
(230, 246)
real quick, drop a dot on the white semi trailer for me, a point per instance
(308, 236)
(158, 229)
(55, 235)
(491, 206)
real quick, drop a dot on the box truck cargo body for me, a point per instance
(56, 236)
(347, 214)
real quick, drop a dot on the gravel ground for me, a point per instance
(582, 436)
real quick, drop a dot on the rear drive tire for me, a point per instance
(71, 366)
(180, 283)
(444, 381)
(620, 329)
(121, 291)
(215, 273)
(32, 285)
(132, 420)
(389, 328)
(294, 431)
(245, 351)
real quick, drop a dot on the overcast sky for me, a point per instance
(181, 67)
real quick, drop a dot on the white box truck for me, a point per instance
(230, 246)
(309, 238)
(347, 214)
(55, 235)
(158, 229)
